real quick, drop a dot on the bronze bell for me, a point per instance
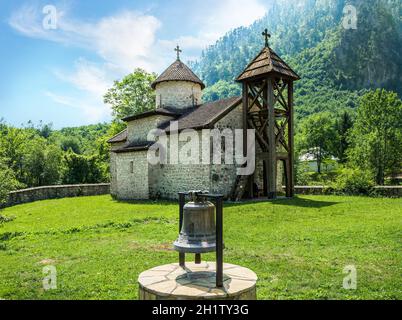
(198, 232)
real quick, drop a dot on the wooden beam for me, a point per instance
(280, 138)
(271, 163)
(280, 97)
(245, 117)
(260, 138)
(256, 94)
(291, 183)
(245, 127)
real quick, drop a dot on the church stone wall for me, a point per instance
(223, 177)
(132, 175)
(137, 130)
(178, 94)
(167, 180)
(113, 168)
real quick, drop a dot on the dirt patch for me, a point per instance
(47, 261)
(167, 246)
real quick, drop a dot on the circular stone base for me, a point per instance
(196, 282)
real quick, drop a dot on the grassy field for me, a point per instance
(298, 248)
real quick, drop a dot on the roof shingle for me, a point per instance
(134, 146)
(178, 71)
(120, 137)
(267, 61)
(207, 114)
(160, 111)
(197, 118)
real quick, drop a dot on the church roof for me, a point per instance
(120, 137)
(197, 118)
(178, 71)
(267, 61)
(159, 111)
(135, 146)
(207, 114)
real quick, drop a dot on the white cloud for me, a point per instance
(128, 39)
(229, 14)
(125, 41)
(87, 76)
(88, 107)
(218, 17)
(93, 80)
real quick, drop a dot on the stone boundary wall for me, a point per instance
(386, 191)
(53, 192)
(389, 191)
(309, 190)
(66, 191)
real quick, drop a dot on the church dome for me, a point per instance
(178, 71)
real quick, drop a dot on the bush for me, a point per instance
(303, 174)
(8, 183)
(82, 169)
(306, 177)
(353, 182)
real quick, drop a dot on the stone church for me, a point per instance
(179, 98)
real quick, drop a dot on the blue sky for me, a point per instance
(59, 75)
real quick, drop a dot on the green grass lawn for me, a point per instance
(298, 248)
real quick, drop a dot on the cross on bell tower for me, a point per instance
(178, 51)
(267, 36)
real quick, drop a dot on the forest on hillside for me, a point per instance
(348, 107)
(337, 65)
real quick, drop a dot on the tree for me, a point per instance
(42, 163)
(12, 144)
(376, 137)
(8, 182)
(343, 125)
(45, 129)
(42, 129)
(132, 95)
(81, 169)
(103, 146)
(221, 90)
(316, 136)
(72, 143)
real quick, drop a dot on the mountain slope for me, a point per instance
(336, 64)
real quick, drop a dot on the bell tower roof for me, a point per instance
(178, 71)
(267, 61)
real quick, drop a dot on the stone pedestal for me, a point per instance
(197, 282)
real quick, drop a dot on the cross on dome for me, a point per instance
(178, 50)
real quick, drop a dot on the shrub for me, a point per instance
(353, 182)
(8, 183)
(303, 174)
(306, 177)
(81, 169)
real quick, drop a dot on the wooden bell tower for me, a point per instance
(268, 108)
